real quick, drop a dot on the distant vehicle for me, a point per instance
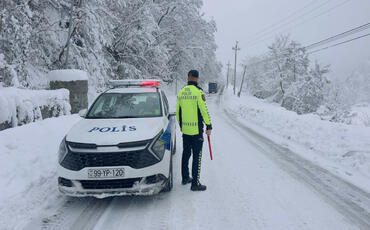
(122, 146)
(212, 87)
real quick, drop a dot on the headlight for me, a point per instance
(159, 147)
(63, 150)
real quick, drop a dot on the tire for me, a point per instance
(169, 183)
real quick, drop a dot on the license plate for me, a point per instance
(106, 173)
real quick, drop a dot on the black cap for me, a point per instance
(193, 73)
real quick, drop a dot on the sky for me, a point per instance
(255, 23)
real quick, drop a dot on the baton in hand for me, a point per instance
(210, 149)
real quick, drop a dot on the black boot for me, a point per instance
(198, 187)
(187, 181)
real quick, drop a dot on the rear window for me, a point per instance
(126, 105)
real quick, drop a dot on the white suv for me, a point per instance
(122, 146)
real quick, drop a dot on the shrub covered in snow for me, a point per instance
(348, 100)
(359, 115)
(22, 106)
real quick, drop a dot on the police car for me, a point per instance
(123, 145)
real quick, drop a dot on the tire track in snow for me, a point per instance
(149, 212)
(91, 214)
(72, 213)
(55, 220)
(352, 202)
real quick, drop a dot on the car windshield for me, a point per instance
(126, 105)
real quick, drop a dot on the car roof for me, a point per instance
(133, 90)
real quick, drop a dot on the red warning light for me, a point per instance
(150, 83)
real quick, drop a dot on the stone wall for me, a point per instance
(77, 93)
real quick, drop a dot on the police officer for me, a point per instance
(191, 112)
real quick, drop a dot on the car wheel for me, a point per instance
(169, 183)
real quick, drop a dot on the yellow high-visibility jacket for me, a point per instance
(191, 110)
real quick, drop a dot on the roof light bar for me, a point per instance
(128, 83)
(150, 83)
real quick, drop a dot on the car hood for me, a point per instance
(115, 131)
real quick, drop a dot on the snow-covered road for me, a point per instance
(252, 184)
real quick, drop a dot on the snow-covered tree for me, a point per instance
(307, 94)
(284, 75)
(344, 95)
(111, 39)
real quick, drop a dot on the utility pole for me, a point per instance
(69, 32)
(176, 86)
(227, 76)
(241, 85)
(236, 48)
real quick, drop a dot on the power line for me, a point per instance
(340, 36)
(315, 51)
(303, 22)
(284, 19)
(340, 43)
(293, 20)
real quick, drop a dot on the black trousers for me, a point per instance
(192, 144)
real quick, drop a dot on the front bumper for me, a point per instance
(135, 181)
(120, 187)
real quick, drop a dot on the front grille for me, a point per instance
(136, 159)
(109, 184)
(82, 145)
(134, 144)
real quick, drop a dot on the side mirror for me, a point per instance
(82, 113)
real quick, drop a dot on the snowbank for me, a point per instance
(22, 106)
(28, 161)
(68, 75)
(342, 149)
(359, 114)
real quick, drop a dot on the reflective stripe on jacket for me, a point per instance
(191, 110)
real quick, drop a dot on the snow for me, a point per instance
(359, 114)
(68, 75)
(28, 162)
(21, 106)
(246, 189)
(342, 149)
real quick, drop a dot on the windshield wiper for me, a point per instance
(95, 117)
(127, 117)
